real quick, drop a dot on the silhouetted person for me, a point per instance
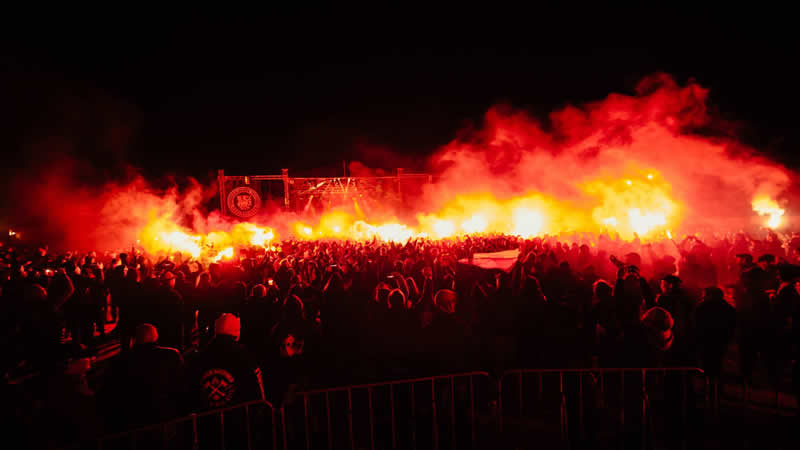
(169, 312)
(224, 373)
(256, 316)
(715, 321)
(675, 300)
(631, 294)
(147, 384)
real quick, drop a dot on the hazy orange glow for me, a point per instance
(639, 205)
(766, 206)
(630, 206)
(226, 253)
(631, 166)
(475, 224)
(165, 236)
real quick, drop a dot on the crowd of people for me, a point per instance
(269, 323)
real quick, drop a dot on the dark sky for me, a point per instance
(189, 94)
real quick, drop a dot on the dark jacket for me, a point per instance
(150, 382)
(680, 306)
(223, 374)
(715, 325)
(169, 316)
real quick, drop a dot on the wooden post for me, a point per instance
(285, 175)
(399, 183)
(222, 193)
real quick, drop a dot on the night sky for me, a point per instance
(187, 95)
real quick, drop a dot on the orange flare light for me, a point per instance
(635, 204)
(527, 223)
(162, 235)
(766, 206)
(443, 228)
(227, 254)
(475, 224)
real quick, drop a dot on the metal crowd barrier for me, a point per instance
(285, 431)
(571, 402)
(446, 430)
(472, 409)
(770, 398)
(396, 395)
(168, 435)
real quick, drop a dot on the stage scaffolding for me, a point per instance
(244, 195)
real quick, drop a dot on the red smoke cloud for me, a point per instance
(664, 129)
(659, 128)
(56, 205)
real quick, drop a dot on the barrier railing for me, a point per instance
(403, 395)
(766, 397)
(471, 409)
(593, 384)
(167, 434)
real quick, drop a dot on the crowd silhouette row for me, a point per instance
(323, 313)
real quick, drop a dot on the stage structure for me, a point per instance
(244, 196)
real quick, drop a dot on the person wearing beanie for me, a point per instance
(445, 301)
(654, 342)
(227, 325)
(224, 373)
(658, 323)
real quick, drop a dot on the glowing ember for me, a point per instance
(766, 206)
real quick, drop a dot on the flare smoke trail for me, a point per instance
(656, 160)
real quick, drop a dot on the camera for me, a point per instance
(617, 262)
